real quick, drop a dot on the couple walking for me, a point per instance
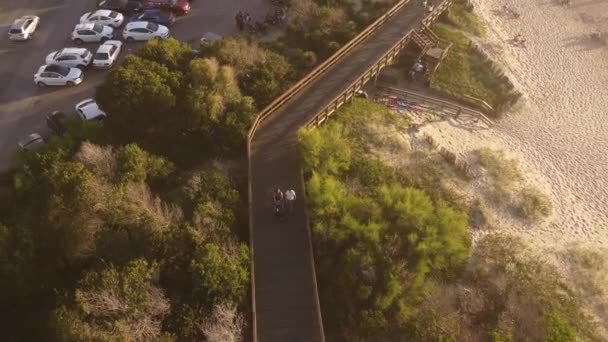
(281, 199)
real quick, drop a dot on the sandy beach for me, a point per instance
(560, 131)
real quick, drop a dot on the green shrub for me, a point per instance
(464, 72)
(325, 151)
(534, 205)
(505, 171)
(460, 17)
(371, 172)
(559, 329)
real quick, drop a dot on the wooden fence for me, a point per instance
(448, 108)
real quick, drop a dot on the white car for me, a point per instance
(87, 33)
(71, 57)
(144, 30)
(57, 75)
(106, 54)
(89, 110)
(103, 17)
(24, 28)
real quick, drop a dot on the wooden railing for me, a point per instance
(350, 91)
(481, 103)
(449, 108)
(321, 69)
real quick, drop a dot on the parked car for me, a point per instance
(87, 33)
(89, 110)
(103, 17)
(144, 30)
(155, 16)
(58, 75)
(32, 142)
(175, 6)
(24, 28)
(106, 54)
(71, 57)
(55, 122)
(122, 6)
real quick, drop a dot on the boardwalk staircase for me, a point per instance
(432, 49)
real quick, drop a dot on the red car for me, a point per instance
(176, 6)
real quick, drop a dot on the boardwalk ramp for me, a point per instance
(285, 299)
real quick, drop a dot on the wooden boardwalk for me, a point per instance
(285, 297)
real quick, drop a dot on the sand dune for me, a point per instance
(560, 133)
(563, 129)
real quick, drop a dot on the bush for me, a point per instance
(325, 151)
(463, 72)
(534, 205)
(504, 171)
(375, 245)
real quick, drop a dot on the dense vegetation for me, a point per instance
(318, 28)
(181, 106)
(393, 255)
(90, 252)
(127, 231)
(102, 240)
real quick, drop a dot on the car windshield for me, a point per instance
(85, 54)
(152, 26)
(113, 14)
(15, 31)
(98, 28)
(102, 55)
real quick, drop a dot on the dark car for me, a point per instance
(123, 6)
(56, 122)
(155, 16)
(175, 6)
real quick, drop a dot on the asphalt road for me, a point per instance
(23, 106)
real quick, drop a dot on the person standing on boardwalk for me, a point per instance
(290, 197)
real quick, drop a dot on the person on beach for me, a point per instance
(519, 41)
(430, 7)
(290, 197)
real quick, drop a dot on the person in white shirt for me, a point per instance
(290, 197)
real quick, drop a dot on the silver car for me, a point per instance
(24, 28)
(53, 74)
(71, 57)
(32, 142)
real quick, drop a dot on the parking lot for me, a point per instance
(23, 106)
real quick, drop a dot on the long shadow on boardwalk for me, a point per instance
(287, 305)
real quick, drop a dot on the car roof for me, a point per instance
(114, 2)
(54, 67)
(135, 24)
(101, 12)
(103, 48)
(89, 108)
(153, 11)
(19, 23)
(72, 51)
(85, 26)
(32, 140)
